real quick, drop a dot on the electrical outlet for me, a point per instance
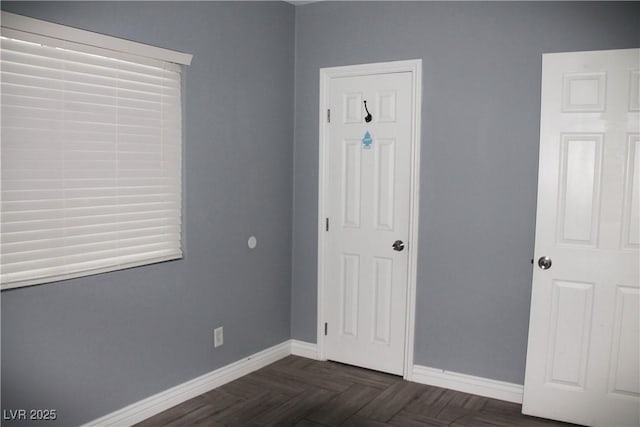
(218, 337)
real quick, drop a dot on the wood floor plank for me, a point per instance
(468, 401)
(446, 405)
(219, 399)
(358, 421)
(471, 421)
(242, 388)
(337, 410)
(504, 420)
(501, 413)
(242, 413)
(501, 406)
(430, 395)
(431, 402)
(362, 376)
(391, 401)
(299, 392)
(270, 381)
(293, 410)
(313, 378)
(307, 423)
(201, 416)
(451, 413)
(408, 419)
(291, 363)
(175, 413)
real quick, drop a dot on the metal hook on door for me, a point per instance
(368, 117)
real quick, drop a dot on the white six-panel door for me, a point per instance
(582, 357)
(367, 188)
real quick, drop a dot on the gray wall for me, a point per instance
(90, 346)
(480, 127)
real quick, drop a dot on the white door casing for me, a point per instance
(366, 289)
(583, 361)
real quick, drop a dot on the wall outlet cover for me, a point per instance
(218, 337)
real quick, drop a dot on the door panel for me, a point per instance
(384, 190)
(351, 173)
(624, 378)
(350, 274)
(571, 311)
(367, 206)
(580, 188)
(631, 228)
(383, 291)
(582, 357)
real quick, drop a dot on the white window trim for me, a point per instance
(12, 21)
(31, 29)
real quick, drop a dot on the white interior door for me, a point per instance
(582, 358)
(367, 198)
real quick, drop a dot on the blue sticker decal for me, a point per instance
(367, 141)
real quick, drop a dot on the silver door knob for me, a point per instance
(544, 262)
(398, 245)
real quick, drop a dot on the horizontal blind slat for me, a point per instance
(17, 259)
(91, 162)
(35, 277)
(168, 231)
(53, 59)
(13, 239)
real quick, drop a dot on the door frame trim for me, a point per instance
(414, 67)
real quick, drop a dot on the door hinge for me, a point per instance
(325, 329)
(328, 115)
(326, 224)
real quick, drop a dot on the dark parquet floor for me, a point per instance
(302, 392)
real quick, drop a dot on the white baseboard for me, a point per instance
(304, 349)
(468, 383)
(155, 404)
(162, 401)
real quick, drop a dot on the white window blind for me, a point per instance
(90, 159)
